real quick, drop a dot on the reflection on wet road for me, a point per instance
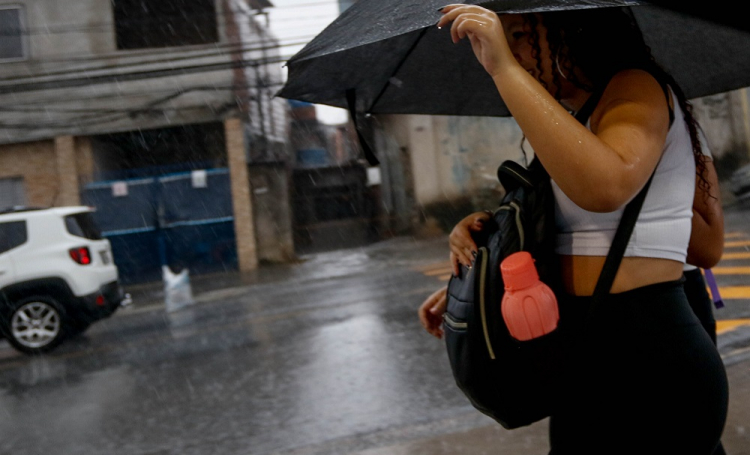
(325, 357)
(282, 366)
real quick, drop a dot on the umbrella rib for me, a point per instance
(398, 67)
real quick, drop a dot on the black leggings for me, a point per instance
(702, 305)
(644, 377)
(700, 301)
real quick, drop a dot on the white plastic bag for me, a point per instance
(177, 290)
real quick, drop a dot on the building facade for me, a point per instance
(105, 92)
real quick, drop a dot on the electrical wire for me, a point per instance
(292, 40)
(94, 119)
(46, 108)
(82, 77)
(131, 76)
(146, 60)
(107, 27)
(142, 93)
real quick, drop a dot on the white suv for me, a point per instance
(57, 276)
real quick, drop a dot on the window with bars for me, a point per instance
(141, 24)
(12, 40)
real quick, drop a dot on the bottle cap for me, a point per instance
(519, 271)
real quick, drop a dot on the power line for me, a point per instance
(296, 40)
(45, 107)
(229, 49)
(82, 78)
(144, 93)
(101, 117)
(89, 121)
(87, 97)
(108, 26)
(135, 75)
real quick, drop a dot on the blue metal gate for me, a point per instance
(183, 219)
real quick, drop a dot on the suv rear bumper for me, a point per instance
(101, 304)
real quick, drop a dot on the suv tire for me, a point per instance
(35, 324)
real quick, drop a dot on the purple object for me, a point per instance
(718, 303)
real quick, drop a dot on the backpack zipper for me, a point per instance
(483, 301)
(454, 324)
(512, 205)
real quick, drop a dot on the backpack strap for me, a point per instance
(619, 244)
(627, 221)
(624, 231)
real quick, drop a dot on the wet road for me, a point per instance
(293, 364)
(322, 357)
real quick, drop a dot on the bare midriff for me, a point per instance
(580, 273)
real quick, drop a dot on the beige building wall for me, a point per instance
(84, 160)
(52, 171)
(68, 192)
(721, 120)
(244, 226)
(454, 157)
(35, 163)
(457, 157)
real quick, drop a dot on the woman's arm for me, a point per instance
(462, 243)
(707, 237)
(431, 312)
(600, 170)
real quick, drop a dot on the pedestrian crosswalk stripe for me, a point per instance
(720, 270)
(736, 243)
(730, 324)
(743, 255)
(734, 292)
(734, 235)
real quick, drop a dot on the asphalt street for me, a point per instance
(325, 356)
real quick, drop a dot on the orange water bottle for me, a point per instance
(529, 306)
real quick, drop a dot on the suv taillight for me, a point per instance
(81, 255)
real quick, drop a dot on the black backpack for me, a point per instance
(515, 382)
(508, 380)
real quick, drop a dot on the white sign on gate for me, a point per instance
(199, 178)
(120, 189)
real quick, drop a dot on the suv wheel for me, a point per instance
(36, 324)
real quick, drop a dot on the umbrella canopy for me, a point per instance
(390, 54)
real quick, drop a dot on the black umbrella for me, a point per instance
(390, 55)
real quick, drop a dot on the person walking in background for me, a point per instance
(706, 243)
(705, 248)
(632, 387)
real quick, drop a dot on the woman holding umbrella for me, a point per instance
(651, 381)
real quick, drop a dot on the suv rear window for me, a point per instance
(83, 225)
(12, 234)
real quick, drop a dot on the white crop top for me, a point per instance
(664, 224)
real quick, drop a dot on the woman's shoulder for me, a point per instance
(636, 82)
(633, 92)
